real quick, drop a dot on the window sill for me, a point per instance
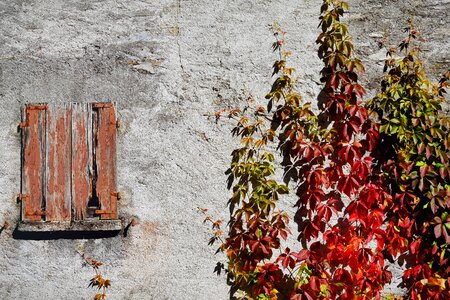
(94, 225)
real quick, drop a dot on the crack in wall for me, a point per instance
(178, 35)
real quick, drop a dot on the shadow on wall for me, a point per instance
(54, 235)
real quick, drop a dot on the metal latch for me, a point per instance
(36, 213)
(103, 212)
(118, 195)
(28, 108)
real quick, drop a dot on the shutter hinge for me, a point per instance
(102, 105)
(103, 212)
(118, 195)
(28, 108)
(23, 197)
(112, 117)
(36, 213)
(113, 120)
(38, 107)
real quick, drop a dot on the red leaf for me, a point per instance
(446, 235)
(423, 171)
(314, 283)
(301, 255)
(359, 90)
(428, 151)
(308, 230)
(348, 185)
(283, 234)
(357, 211)
(323, 211)
(414, 246)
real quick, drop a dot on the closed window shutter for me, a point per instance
(69, 162)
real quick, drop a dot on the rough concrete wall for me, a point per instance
(193, 57)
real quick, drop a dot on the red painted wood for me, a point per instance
(69, 162)
(33, 164)
(105, 159)
(58, 167)
(81, 159)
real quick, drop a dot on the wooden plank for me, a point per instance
(33, 164)
(104, 134)
(58, 166)
(81, 160)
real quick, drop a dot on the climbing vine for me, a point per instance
(341, 201)
(416, 140)
(256, 227)
(366, 189)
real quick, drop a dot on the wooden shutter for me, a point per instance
(33, 162)
(69, 162)
(104, 136)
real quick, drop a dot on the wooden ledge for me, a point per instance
(80, 226)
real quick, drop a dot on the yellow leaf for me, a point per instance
(243, 120)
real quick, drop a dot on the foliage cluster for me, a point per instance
(98, 281)
(416, 147)
(371, 180)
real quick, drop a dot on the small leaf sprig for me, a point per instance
(98, 281)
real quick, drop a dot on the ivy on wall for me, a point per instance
(371, 181)
(416, 140)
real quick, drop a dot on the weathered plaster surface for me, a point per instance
(166, 63)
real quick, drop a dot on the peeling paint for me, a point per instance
(69, 162)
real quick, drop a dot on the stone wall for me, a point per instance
(167, 64)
